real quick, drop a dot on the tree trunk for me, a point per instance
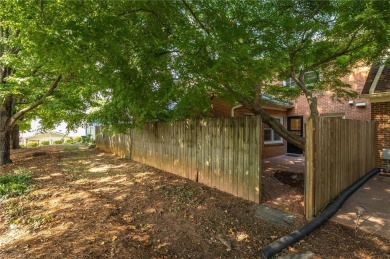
(15, 137)
(5, 135)
(312, 100)
(273, 123)
(5, 154)
(280, 129)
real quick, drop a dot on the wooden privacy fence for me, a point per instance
(338, 153)
(220, 153)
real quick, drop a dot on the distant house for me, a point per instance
(293, 115)
(46, 136)
(354, 109)
(90, 129)
(377, 89)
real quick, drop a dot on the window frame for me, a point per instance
(273, 141)
(289, 82)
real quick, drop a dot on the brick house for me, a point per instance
(273, 145)
(377, 89)
(293, 115)
(357, 109)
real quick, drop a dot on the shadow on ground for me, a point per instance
(89, 204)
(279, 188)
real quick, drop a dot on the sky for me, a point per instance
(35, 125)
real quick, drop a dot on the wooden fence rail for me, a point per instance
(220, 153)
(338, 153)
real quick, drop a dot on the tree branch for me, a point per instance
(144, 11)
(35, 104)
(298, 80)
(311, 99)
(266, 118)
(195, 17)
(165, 52)
(275, 125)
(344, 51)
(138, 10)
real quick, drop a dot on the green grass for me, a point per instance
(16, 183)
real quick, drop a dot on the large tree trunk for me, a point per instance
(5, 136)
(5, 154)
(279, 128)
(15, 137)
(312, 100)
(273, 123)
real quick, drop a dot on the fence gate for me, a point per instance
(338, 152)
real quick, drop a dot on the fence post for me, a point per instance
(259, 152)
(309, 169)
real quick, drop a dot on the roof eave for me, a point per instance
(271, 106)
(377, 97)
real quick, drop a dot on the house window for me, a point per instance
(289, 82)
(309, 78)
(270, 136)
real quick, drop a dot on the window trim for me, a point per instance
(289, 82)
(270, 142)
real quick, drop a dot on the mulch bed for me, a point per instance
(90, 204)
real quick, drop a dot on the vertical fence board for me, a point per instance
(200, 153)
(231, 150)
(309, 169)
(224, 157)
(236, 136)
(246, 155)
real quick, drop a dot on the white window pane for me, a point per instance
(311, 77)
(277, 137)
(270, 137)
(267, 135)
(289, 82)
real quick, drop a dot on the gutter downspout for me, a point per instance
(234, 108)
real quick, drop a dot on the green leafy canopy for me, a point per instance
(127, 62)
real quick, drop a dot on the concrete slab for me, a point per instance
(275, 216)
(373, 199)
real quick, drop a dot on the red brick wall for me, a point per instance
(380, 113)
(221, 108)
(327, 106)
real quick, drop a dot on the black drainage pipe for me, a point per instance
(293, 237)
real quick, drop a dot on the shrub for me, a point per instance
(16, 183)
(77, 139)
(87, 139)
(58, 142)
(69, 141)
(44, 143)
(32, 144)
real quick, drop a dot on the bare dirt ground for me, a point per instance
(90, 204)
(281, 191)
